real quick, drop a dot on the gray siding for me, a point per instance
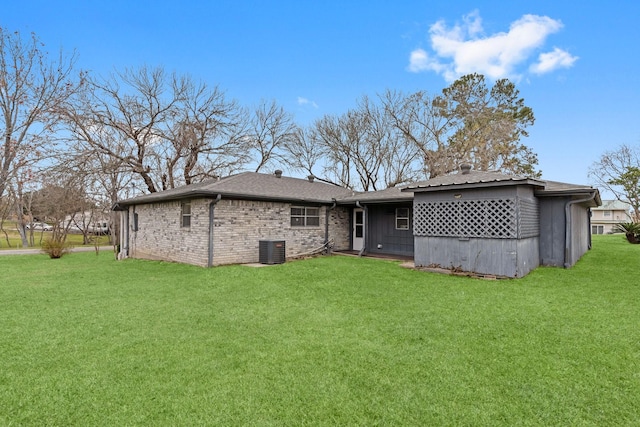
(487, 231)
(382, 236)
(553, 223)
(552, 231)
(500, 257)
(580, 233)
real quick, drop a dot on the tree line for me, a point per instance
(98, 137)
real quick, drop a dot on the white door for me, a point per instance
(358, 229)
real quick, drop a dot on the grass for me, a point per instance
(87, 340)
(39, 236)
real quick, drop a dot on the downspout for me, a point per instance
(364, 226)
(567, 227)
(124, 235)
(589, 228)
(128, 237)
(326, 225)
(212, 204)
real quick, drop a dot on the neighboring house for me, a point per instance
(89, 221)
(604, 218)
(482, 222)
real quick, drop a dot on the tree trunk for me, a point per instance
(632, 238)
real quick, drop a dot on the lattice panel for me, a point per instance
(528, 219)
(492, 218)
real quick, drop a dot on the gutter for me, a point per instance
(567, 227)
(212, 205)
(159, 197)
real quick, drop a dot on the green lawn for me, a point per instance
(87, 340)
(14, 241)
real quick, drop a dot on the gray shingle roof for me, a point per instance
(250, 185)
(259, 186)
(555, 188)
(389, 195)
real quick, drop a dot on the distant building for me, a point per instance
(604, 218)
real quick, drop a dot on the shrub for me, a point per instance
(631, 231)
(55, 248)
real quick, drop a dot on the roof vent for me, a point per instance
(311, 178)
(465, 168)
(278, 173)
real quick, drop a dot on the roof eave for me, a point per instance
(575, 192)
(351, 201)
(121, 205)
(474, 185)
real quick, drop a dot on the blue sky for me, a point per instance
(576, 64)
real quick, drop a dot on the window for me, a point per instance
(305, 217)
(185, 209)
(597, 229)
(359, 223)
(402, 218)
(607, 213)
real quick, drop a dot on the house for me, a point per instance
(604, 218)
(88, 221)
(483, 222)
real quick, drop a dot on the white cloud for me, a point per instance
(463, 48)
(551, 61)
(305, 101)
(421, 61)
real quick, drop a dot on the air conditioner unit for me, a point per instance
(271, 251)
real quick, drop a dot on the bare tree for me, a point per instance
(271, 129)
(31, 87)
(362, 149)
(165, 129)
(419, 122)
(104, 180)
(618, 171)
(389, 155)
(6, 204)
(329, 132)
(207, 139)
(61, 196)
(302, 152)
(20, 191)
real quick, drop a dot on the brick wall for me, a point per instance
(339, 228)
(238, 227)
(160, 235)
(240, 224)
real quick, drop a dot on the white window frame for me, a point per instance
(185, 214)
(403, 222)
(304, 215)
